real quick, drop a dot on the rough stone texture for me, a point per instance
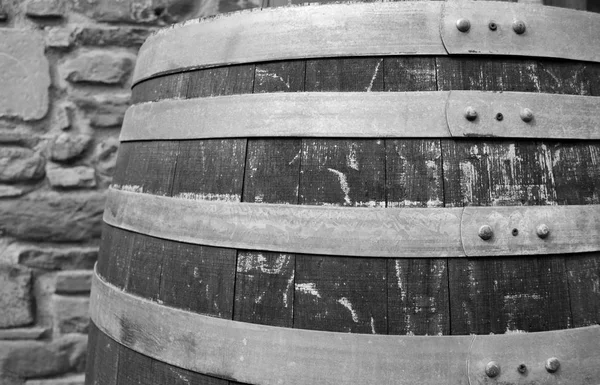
(7, 191)
(53, 216)
(25, 75)
(49, 257)
(67, 146)
(105, 155)
(77, 379)
(71, 177)
(45, 8)
(105, 110)
(72, 282)
(104, 67)
(15, 300)
(61, 119)
(71, 314)
(23, 333)
(105, 36)
(28, 359)
(20, 164)
(138, 11)
(60, 37)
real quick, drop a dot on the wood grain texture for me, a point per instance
(210, 170)
(264, 288)
(229, 80)
(329, 230)
(198, 278)
(314, 114)
(115, 253)
(576, 173)
(264, 282)
(103, 358)
(174, 86)
(341, 294)
(295, 33)
(213, 345)
(147, 166)
(484, 296)
(414, 175)
(145, 266)
(418, 297)
(417, 290)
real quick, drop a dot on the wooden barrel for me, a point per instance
(373, 193)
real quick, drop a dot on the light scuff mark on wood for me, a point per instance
(370, 87)
(343, 185)
(308, 288)
(209, 197)
(346, 303)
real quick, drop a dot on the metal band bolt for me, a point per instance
(463, 25)
(542, 231)
(552, 364)
(526, 115)
(470, 114)
(519, 27)
(492, 369)
(522, 368)
(486, 232)
(493, 26)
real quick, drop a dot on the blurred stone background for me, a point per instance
(65, 77)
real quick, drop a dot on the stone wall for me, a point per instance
(65, 77)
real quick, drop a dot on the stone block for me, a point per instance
(20, 164)
(75, 281)
(33, 333)
(121, 36)
(45, 8)
(61, 118)
(72, 177)
(60, 37)
(71, 313)
(68, 146)
(138, 11)
(105, 156)
(11, 191)
(105, 110)
(15, 301)
(53, 217)
(30, 359)
(53, 258)
(99, 67)
(25, 75)
(73, 379)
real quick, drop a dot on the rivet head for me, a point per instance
(552, 364)
(522, 368)
(526, 115)
(492, 369)
(519, 27)
(542, 231)
(486, 232)
(463, 25)
(470, 114)
(499, 116)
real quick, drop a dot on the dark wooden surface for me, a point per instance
(384, 296)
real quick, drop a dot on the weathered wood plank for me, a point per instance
(145, 266)
(115, 252)
(210, 170)
(576, 168)
(103, 358)
(495, 295)
(147, 166)
(138, 369)
(264, 288)
(229, 80)
(174, 86)
(213, 345)
(355, 74)
(198, 278)
(414, 173)
(418, 301)
(285, 76)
